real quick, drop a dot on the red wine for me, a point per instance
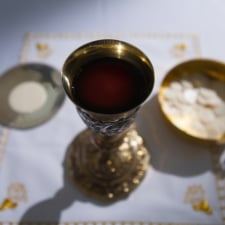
(108, 85)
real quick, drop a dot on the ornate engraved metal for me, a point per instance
(107, 127)
(108, 173)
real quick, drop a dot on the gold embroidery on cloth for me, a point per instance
(195, 195)
(216, 153)
(93, 223)
(7, 204)
(43, 50)
(16, 194)
(179, 50)
(203, 206)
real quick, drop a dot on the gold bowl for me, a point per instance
(192, 98)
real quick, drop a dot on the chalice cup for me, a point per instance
(108, 80)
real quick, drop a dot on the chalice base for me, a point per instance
(107, 172)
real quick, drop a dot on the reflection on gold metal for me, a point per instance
(111, 180)
(108, 160)
(192, 114)
(120, 49)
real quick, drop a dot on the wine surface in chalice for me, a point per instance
(108, 85)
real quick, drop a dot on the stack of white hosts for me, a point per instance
(197, 102)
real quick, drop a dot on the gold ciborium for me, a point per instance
(108, 80)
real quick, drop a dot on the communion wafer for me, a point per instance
(197, 102)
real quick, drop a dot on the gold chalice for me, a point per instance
(108, 80)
